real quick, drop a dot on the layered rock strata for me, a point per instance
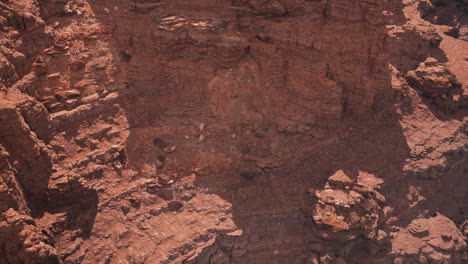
(244, 131)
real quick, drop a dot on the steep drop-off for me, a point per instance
(233, 131)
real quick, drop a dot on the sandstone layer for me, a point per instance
(233, 131)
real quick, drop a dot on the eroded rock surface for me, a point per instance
(437, 84)
(242, 131)
(355, 209)
(430, 240)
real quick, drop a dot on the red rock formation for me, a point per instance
(432, 240)
(437, 84)
(243, 131)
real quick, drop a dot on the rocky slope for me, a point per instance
(241, 131)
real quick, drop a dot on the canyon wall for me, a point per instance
(233, 131)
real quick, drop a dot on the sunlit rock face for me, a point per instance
(242, 131)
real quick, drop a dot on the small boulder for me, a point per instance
(175, 205)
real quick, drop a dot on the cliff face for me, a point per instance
(242, 131)
(252, 62)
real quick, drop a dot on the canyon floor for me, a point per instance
(233, 131)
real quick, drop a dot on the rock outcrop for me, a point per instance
(437, 84)
(430, 240)
(23, 241)
(350, 207)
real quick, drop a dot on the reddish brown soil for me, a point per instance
(242, 131)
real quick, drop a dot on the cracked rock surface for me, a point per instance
(233, 131)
